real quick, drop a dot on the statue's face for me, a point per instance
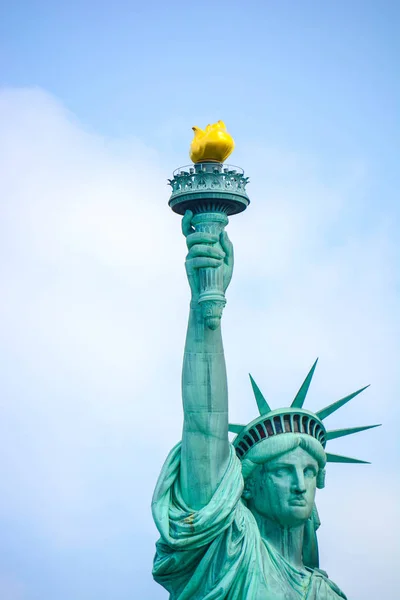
(284, 488)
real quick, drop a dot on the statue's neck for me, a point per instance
(288, 541)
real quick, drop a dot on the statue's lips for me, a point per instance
(298, 502)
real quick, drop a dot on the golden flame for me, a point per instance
(211, 144)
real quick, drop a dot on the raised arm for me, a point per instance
(205, 445)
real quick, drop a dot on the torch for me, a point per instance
(212, 190)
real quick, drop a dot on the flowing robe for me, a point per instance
(217, 553)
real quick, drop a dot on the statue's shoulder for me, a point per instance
(323, 575)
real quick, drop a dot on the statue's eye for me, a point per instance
(310, 472)
(281, 471)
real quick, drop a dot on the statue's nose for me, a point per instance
(299, 483)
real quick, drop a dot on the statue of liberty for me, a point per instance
(236, 521)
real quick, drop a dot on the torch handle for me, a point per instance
(212, 297)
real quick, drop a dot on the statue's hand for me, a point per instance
(206, 250)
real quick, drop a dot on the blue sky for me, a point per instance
(96, 106)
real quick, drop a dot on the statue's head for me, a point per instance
(283, 460)
(281, 478)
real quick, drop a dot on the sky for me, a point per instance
(97, 102)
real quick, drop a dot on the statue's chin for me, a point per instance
(293, 516)
(296, 516)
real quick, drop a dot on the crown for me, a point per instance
(293, 419)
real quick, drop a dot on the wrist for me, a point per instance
(194, 303)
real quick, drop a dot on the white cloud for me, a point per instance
(93, 317)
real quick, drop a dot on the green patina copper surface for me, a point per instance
(237, 521)
(210, 191)
(209, 187)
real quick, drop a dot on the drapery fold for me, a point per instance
(217, 552)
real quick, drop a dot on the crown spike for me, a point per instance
(336, 433)
(328, 410)
(336, 458)
(302, 393)
(262, 404)
(234, 428)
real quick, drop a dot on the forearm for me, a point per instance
(205, 445)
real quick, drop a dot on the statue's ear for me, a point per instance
(321, 479)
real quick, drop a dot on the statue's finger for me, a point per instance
(200, 237)
(227, 246)
(206, 250)
(187, 227)
(202, 262)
